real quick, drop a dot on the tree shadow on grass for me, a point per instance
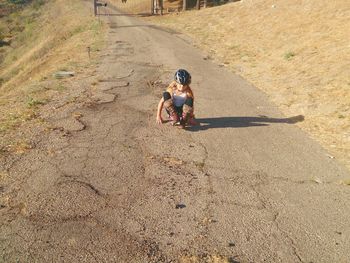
(240, 122)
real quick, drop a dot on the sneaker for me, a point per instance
(192, 122)
(182, 124)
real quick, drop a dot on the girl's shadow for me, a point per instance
(240, 122)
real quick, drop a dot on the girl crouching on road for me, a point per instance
(178, 101)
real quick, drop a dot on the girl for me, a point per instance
(178, 100)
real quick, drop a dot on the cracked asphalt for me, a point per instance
(108, 184)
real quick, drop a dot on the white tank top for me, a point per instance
(179, 100)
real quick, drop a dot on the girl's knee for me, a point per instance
(187, 109)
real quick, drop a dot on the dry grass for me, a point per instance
(54, 37)
(296, 51)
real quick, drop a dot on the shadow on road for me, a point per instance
(240, 122)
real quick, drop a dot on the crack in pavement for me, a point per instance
(266, 206)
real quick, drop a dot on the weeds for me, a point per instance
(233, 47)
(35, 102)
(289, 55)
(60, 87)
(32, 41)
(77, 30)
(14, 119)
(20, 147)
(346, 182)
(200, 165)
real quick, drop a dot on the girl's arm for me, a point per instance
(159, 111)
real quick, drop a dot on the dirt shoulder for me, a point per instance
(42, 40)
(296, 52)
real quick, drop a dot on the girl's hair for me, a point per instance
(172, 87)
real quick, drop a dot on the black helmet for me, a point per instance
(182, 77)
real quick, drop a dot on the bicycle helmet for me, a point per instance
(183, 77)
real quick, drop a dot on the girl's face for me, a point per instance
(181, 87)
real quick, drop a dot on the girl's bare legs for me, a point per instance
(169, 106)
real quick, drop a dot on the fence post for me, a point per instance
(184, 5)
(95, 7)
(161, 6)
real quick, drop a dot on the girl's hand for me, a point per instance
(159, 119)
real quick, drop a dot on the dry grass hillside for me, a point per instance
(297, 51)
(39, 40)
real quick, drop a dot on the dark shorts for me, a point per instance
(178, 110)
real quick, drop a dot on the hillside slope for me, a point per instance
(42, 38)
(295, 51)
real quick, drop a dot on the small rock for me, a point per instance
(317, 180)
(231, 244)
(180, 206)
(77, 115)
(173, 160)
(64, 74)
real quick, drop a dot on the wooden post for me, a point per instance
(161, 6)
(184, 5)
(205, 4)
(95, 7)
(198, 4)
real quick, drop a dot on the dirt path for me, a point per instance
(109, 185)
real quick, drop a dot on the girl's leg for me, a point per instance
(169, 107)
(187, 111)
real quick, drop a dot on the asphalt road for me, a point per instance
(110, 185)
